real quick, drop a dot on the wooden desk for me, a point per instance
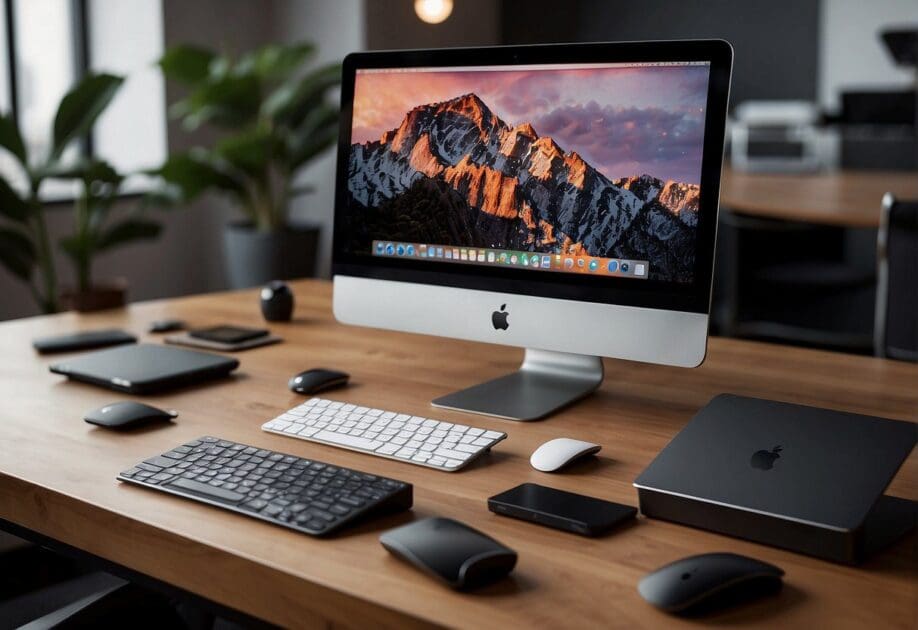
(57, 478)
(839, 198)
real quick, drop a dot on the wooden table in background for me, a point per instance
(57, 478)
(839, 198)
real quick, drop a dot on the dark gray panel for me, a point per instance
(776, 41)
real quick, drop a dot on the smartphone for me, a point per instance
(562, 510)
(228, 334)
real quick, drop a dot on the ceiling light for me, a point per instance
(433, 11)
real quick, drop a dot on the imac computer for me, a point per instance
(558, 198)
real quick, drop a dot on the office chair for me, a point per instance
(788, 282)
(896, 323)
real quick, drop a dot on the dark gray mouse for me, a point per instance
(317, 380)
(709, 581)
(127, 414)
(449, 550)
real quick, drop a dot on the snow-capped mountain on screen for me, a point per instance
(455, 173)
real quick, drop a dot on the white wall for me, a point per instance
(852, 53)
(131, 133)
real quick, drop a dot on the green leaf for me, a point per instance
(230, 101)
(318, 132)
(274, 61)
(186, 64)
(12, 206)
(164, 197)
(127, 231)
(290, 103)
(86, 169)
(80, 108)
(316, 144)
(74, 246)
(11, 140)
(194, 173)
(249, 151)
(102, 171)
(17, 253)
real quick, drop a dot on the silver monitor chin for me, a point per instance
(563, 338)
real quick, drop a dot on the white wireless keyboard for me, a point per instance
(399, 436)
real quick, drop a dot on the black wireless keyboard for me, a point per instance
(308, 496)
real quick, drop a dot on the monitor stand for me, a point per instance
(545, 382)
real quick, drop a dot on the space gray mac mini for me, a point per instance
(802, 478)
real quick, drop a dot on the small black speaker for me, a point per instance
(277, 302)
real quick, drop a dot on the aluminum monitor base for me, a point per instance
(545, 382)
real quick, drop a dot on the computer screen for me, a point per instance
(582, 168)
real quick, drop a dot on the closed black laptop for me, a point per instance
(803, 478)
(145, 368)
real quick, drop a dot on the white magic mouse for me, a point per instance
(558, 453)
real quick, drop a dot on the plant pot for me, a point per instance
(254, 257)
(98, 298)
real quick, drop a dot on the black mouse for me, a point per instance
(127, 414)
(317, 380)
(166, 325)
(704, 583)
(449, 550)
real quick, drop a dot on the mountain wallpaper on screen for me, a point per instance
(454, 173)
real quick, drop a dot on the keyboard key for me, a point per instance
(347, 440)
(220, 494)
(272, 510)
(452, 454)
(159, 461)
(256, 504)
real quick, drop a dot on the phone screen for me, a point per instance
(228, 334)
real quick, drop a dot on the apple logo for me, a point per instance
(765, 459)
(499, 318)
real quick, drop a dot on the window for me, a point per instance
(48, 45)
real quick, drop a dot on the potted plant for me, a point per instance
(94, 233)
(273, 120)
(25, 246)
